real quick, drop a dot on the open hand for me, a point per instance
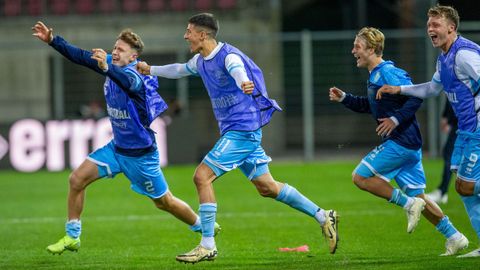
(389, 89)
(385, 127)
(42, 32)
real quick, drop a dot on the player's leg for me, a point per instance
(415, 178)
(146, 178)
(439, 195)
(472, 205)
(447, 173)
(203, 179)
(182, 211)
(282, 192)
(98, 164)
(375, 171)
(375, 185)
(79, 179)
(228, 153)
(178, 209)
(206, 250)
(471, 199)
(255, 168)
(468, 182)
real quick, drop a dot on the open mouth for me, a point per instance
(433, 37)
(357, 57)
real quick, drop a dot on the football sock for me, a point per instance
(197, 226)
(290, 196)
(320, 216)
(472, 204)
(208, 242)
(446, 227)
(476, 189)
(208, 212)
(73, 228)
(399, 198)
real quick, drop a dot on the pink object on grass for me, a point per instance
(303, 248)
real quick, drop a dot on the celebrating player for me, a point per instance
(399, 157)
(458, 74)
(132, 105)
(242, 107)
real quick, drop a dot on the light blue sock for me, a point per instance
(398, 198)
(207, 213)
(73, 228)
(476, 189)
(446, 227)
(472, 205)
(197, 226)
(290, 196)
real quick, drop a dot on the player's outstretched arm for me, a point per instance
(72, 53)
(388, 89)
(42, 32)
(336, 94)
(358, 104)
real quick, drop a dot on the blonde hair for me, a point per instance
(447, 12)
(374, 38)
(131, 39)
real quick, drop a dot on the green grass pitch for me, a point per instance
(123, 230)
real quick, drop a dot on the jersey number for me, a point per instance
(149, 186)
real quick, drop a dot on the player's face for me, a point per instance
(194, 37)
(123, 54)
(441, 32)
(361, 52)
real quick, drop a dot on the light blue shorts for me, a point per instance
(144, 172)
(393, 161)
(240, 149)
(468, 152)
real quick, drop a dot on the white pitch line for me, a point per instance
(162, 216)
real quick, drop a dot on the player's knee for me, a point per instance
(266, 192)
(359, 181)
(75, 181)
(165, 202)
(200, 179)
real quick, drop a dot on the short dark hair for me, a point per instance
(447, 12)
(132, 39)
(207, 21)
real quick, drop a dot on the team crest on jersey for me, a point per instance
(376, 77)
(220, 77)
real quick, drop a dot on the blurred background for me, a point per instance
(52, 111)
